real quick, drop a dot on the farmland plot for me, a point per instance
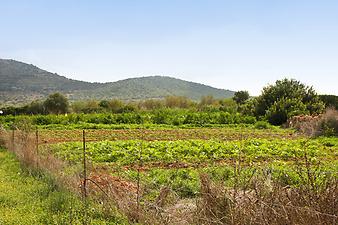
(162, 175)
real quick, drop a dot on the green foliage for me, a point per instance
(175, 117)
(262, 125)
(36, 107)
(56, 104)
(150, 104)
(241, 96)
(90, 106)
(194, 151)
(27, 199)
(330, 100)
(248, 108)
(285, 108)
(228, 105)
(287, 98)
(278, 157)
(177, 102)
(207, 101)
(328, 123)
(115, 105)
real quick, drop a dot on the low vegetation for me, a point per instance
(199, 151)
(174, 160)
(28, 197)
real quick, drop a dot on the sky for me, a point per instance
(236, 45)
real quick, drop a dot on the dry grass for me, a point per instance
(24, 145)
(277, 204)
(328, 124)
(325, 124)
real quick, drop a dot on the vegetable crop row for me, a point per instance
(195, 151)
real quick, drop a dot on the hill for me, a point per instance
(152, 87)
(21, 83)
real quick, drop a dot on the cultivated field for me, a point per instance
(218, 175)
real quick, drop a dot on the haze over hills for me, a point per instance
(22, 83)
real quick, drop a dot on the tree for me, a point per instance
(330, 100)
(241, 96)
(177, 102)
(287, 98)
(248, 108)
(56, 103)
(228, 105)
(104, 104)
(115, 105)
(150, 104)
(287, 89)
(285, 108)
(36, 107)
(207, 101)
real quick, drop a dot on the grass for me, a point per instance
(37, 199)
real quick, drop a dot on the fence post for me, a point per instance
(37, 147)
(13, 137)
(84, 165)
(139, 179)
(84, 177)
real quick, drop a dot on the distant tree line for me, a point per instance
(55, 104)
(330, 100)
(276, 103)
(58, 104)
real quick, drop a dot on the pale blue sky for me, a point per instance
(237, 45)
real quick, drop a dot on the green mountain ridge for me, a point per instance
(21, 83)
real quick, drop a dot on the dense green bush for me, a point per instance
(241, 96)
(262, 125)
(287, 98)
(285, 108)
(330, 100)
(56, 103)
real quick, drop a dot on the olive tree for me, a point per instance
(241, 96)
(56, 103)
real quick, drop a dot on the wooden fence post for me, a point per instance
(139, 179)
(84, 165)
(37, 147)
(84, 177)
(13, 139)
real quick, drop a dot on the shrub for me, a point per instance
(225, 118)
(160, 117)
(328, 124)
(330, 100)
(241, 96)
(285, 108)
(42, 120)
(248, 119)
(262, 125)
(56, 103)
(285, 99)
